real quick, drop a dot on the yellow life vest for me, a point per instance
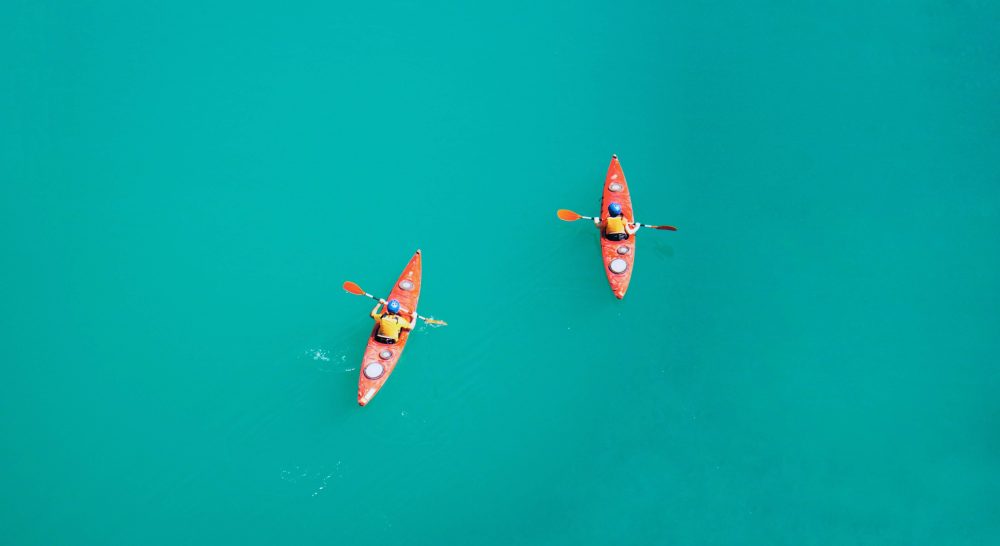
(389, 326)
(614, 225)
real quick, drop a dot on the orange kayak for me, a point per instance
(381, 358)
(617, 255)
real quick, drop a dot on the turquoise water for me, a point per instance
(811, 359)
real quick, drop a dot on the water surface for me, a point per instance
(811, 359)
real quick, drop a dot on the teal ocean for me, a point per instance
(812, 359)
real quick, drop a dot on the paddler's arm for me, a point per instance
(631, 228)
(599, 223)
(375, 310)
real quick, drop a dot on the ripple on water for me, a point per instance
(323, 357)
(314, 480)
(318, 354)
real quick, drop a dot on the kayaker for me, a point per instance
(616, 227)
(390, 323)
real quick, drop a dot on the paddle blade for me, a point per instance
(353, 288)
(666, 228)
(568, 215)
(435, 321)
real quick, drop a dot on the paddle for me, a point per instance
(571, 216)
(353, 288)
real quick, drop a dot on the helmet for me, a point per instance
(393, 306)
(615, 209)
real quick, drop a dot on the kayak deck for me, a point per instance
(618, 256)
(380, 359)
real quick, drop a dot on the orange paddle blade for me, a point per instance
(668, 228)
(568, 215)
(353, 288)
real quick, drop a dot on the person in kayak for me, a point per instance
(390, 323)
(615, 226)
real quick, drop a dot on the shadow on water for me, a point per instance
(662, 248)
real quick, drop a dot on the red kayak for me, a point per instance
(617, 255)
(381, 358)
